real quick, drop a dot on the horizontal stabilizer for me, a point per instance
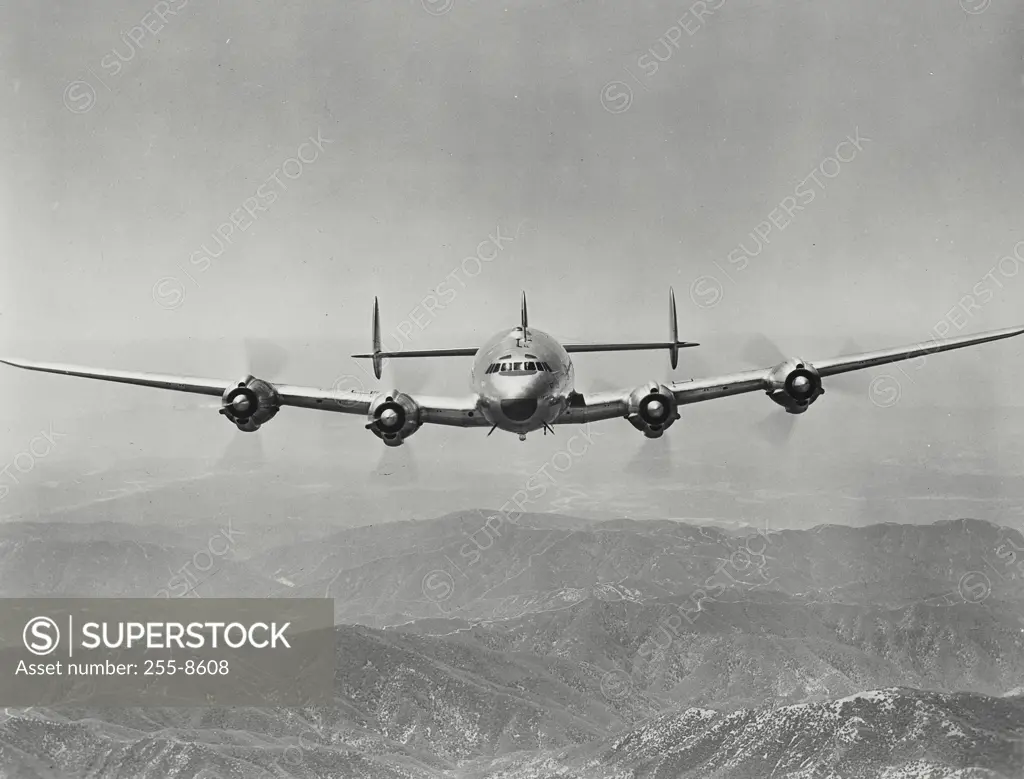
(673, 346)
(467, 352)
(637, 347)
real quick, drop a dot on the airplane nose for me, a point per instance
(519, 409)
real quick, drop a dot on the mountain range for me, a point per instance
(473, 646)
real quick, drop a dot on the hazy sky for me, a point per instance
(621, 162)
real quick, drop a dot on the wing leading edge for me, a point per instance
(464, 412)
(460, 412)
(748, 381)
(608, 405)
(856, 362)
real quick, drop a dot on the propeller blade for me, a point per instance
(854, 382)
(244, 452)
(777, 428)
(264, 359)
(397, 465)
(653, 460)
(407, 375)
(196, 403)
(761, 352)
(600, 384)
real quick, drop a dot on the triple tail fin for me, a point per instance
(673, 345)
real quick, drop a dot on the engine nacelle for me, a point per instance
(795, 385)
(250, 404)
(652, 409)
(393, 417)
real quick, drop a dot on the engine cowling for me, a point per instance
(795, 385)
(652, 409)
(250, 403)
(393, 417)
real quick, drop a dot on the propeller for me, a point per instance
(777, 427)
(761, 351)
(653, 459)
(854, 382)
(244, 451)
(601, 384)
(396, 466)
(410, 375)
(266, 360)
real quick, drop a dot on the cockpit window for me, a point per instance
(520, 368)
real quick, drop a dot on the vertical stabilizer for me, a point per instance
(673, 329)
(378, 363)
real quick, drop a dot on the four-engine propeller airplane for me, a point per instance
(522, 380)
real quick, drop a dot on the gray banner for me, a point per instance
(166, 652)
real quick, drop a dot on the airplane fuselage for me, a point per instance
(523, 378)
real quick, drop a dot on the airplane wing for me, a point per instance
(591, 407)
(595, 406)
(461, 412)
(747, 381)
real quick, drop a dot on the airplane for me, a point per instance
(522, 380)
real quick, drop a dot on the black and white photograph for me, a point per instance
(454, 389)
